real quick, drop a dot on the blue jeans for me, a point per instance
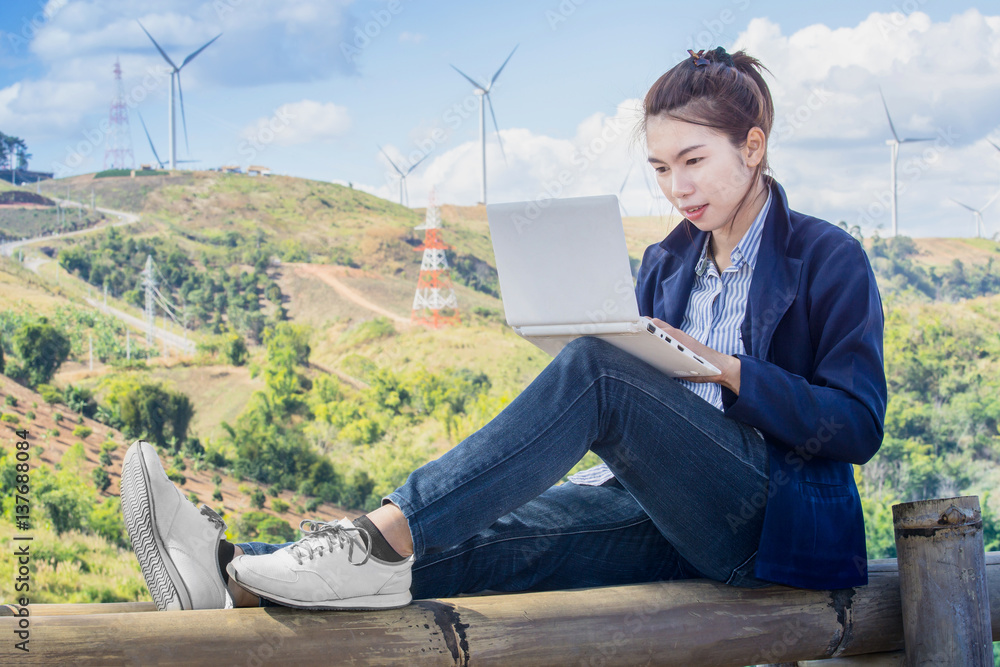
(486, 516)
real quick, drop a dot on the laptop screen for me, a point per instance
(563, 261)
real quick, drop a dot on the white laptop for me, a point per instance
(564, 273)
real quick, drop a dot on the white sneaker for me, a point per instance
(322, 571)
(176, 543)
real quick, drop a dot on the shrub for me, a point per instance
(50, 394)
(258, 499)
(176, 476)
(102, 480)
(264, 527)
(216, 479)
(279, 505)
(42, 349)
(10, 400)
(30, 414)
(193, 497)
(9, 418)
(105, 458)
(217, 494)
(312, 504)
(57, 417)
(82, 432)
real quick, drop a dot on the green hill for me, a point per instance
(337, 396)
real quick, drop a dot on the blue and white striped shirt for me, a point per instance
(715, 311)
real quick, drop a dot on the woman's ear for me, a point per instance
(755, 147)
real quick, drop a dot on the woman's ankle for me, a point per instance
(392, 524)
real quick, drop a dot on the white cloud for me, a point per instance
(303, 122)
(595, 161)
(411, 37)
(828, 144)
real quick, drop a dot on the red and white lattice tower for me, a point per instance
(434, 304)
(118, 154)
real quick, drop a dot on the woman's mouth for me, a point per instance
(694, 212)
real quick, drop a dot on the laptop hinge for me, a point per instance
(581, 329)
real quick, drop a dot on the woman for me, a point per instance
(744, 477)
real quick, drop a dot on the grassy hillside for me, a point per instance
(317, 280)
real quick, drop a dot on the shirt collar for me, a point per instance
(746, 250)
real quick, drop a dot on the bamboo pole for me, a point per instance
(695, 622)
(943, 587)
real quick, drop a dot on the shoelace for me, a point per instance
(212, 516)
(319, 532)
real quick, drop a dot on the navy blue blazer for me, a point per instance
(813, 382)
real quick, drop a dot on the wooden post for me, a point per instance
(942, 582)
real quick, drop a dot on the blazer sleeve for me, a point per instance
(839, 411)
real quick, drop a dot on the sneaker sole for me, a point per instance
(162, 579)
(362, 603)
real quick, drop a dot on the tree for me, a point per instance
(158, 414)
(42, 349)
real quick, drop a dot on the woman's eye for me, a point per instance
(694, 160)
(661, 170)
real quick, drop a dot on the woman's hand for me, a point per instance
(730, 366)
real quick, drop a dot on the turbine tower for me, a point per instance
(156, 155)
(403, 192)
(894, 145)
(175, 81)
(118, 153)
(977, 214)
(484, 99)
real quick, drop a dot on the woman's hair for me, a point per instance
(715, 89)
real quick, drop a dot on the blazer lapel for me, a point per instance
(775, 280)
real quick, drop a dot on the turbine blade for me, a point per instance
(965, 206)
(501, 67)
(914, 140)
(180, 91)
(478, 86)
(886, 106)
(414, 165)
(993, 144)
(162, 52)
(992, 199)
(625, 180)
(495, 126)
(158, 160)
(398, 171)
(192, 56)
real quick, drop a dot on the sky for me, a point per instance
(319, 88)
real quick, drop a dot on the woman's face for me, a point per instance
(699, 170)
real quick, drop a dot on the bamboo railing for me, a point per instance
(692, 622)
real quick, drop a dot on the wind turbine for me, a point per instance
(484, 99)
(175, 76)
(402, 176)
(894, 144)
(977, 214)
(159, 162)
